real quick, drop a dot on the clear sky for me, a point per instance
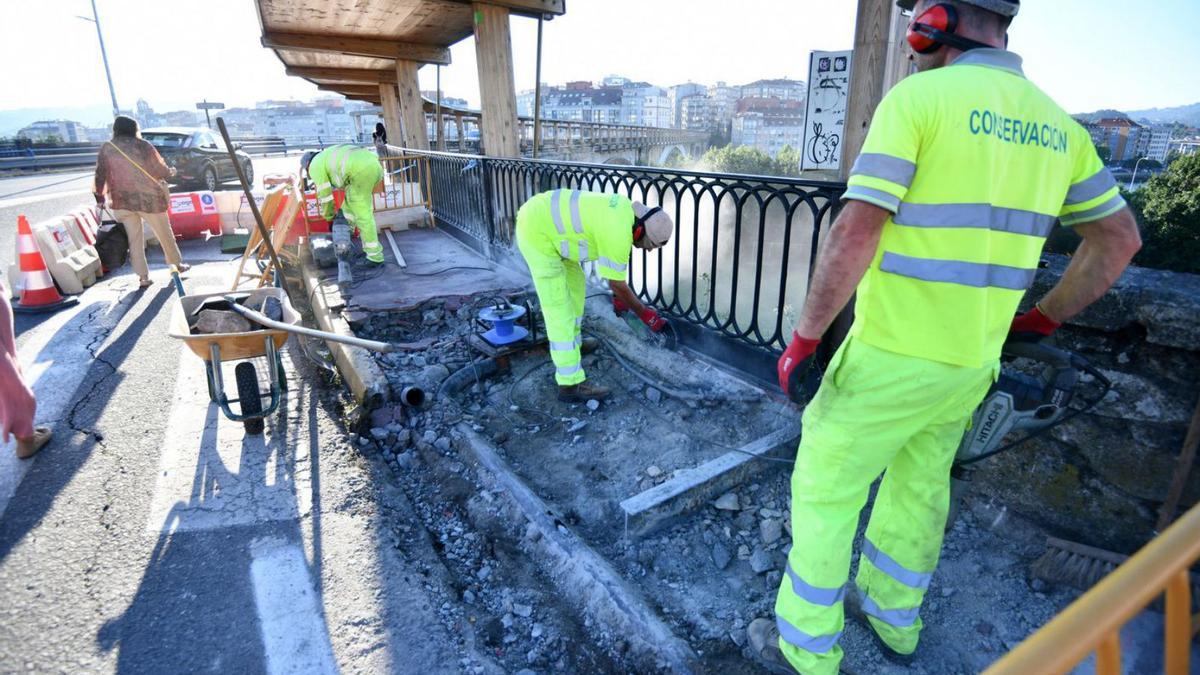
(1088, 54)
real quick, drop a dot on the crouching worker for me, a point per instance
(356, 171)
(559, 230)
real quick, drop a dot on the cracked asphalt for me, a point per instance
(154, 535)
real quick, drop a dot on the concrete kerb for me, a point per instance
(364, 377)
(693, 488)
(580, 573)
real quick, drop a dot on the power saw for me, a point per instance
(1023, 404)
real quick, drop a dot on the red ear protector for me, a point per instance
(935, 27)
(639, 224)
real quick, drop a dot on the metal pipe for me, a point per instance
(537, 93)
(413, 397)
(437, 110)
(262, 320)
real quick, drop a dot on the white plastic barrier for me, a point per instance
(73, 267)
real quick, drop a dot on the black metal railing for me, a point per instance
(739, 261)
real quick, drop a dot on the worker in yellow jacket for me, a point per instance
(559, 230)
(966, 169)
(356, 171)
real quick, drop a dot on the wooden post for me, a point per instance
(412, 106)
(462, 138)
(880, 59)
(497, 87)
(391, 113)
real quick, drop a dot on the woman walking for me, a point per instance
(132, 172)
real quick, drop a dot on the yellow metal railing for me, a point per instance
(1094, 621)
(405, 184)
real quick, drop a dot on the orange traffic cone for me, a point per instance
(38, 293)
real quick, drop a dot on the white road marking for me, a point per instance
(212, 474)
(293, 630)
(33, 199)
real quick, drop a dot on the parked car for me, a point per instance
(198, 155)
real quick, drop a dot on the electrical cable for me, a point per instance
(448, 269)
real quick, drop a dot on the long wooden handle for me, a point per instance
(1183, 469)
(258, 220)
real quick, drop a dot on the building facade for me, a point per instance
(678, 93)
(768, 124)
(66, 131)
(784, 90)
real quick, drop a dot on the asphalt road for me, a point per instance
(46, 195)
(154, 535)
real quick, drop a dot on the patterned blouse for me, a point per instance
(128, 187)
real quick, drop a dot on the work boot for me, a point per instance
(588, 345)
(764, 647)
(582, 392)
(854, 610)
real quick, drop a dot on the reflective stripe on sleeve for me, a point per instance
(325, 200)
(583, 250)
(817, 644)
(1088, 189)
(887, 167)
(611, 264)
(872, 196)
(576, 220)
(324, 186)
(975, 216)
(564, 249)
(900, 618)
(556, 212)
(825, 597)
(889, 566)
(978, 275)
(1108, 208)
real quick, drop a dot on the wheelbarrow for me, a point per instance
(216, 348)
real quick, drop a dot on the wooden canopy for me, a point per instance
(342, 46)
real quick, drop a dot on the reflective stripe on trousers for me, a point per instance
(876, 411)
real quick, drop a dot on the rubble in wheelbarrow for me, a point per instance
(210, 319)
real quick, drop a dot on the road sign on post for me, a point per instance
(206, 106)
(825, 118)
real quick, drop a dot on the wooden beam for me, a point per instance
(391, 113)
(351, 89)
(497, 87)
(874, 70)
(527, 7)
(366, 99)
(357, 46)
(362, 75)
(412, 106)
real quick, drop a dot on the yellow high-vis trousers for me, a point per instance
(561, 291)
(359, 208)
(876, 411)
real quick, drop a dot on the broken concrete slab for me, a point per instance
(581, 573)
(693, 488)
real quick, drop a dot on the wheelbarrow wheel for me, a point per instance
(249, 397)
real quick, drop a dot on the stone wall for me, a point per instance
(1101, 477)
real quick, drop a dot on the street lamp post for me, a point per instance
(1135, 168)
(104, 56)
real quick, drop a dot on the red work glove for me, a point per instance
(1032, 326)
(619, 307)
(793, 365)
(652, 320)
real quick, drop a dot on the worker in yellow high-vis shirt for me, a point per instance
(559, 230)
(356, 171)
(966, 169)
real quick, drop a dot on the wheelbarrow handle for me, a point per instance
(177, 280)
(262, 320)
